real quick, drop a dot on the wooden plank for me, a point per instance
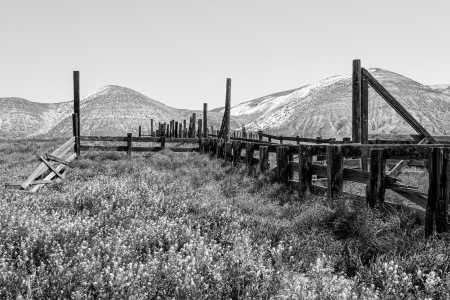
(375, 190)
(105, 138)
(402, 163)
(176, 149)
(397, 106)
(50, 176)
(335, 166)
(50, 166)
(57, 159)
(411, 194)
(356, 101)
(42, 168)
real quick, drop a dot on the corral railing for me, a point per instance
(300, 159)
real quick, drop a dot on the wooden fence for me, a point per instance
(304, 157)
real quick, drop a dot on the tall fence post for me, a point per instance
(438, 192)
(356, 101)
(199, 129)
(376, 187)
(76, 111)
(282, 155)
(364, 131)
(305, 170)
(205, 120)
(75, 132)
(225, 128)
(335, 168)
(129, 143)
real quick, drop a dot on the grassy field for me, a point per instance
(184, 226)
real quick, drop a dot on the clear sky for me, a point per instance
(180, 52)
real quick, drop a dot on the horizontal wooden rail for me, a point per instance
(135, 149)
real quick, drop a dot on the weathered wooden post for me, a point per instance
(260, 137)
(364, 131)
(305, 170)
(263, 159)
(297, 139)
(199, 129)
(282, 155)
(356, 101)
(129, 143)
(75, 123)
(225, 128)
(76, 111)
(438, 192)
(375, 187)
(194, 121)
(205, 120)
(139, 131)
(335, 168)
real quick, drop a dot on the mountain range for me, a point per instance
(321, 109)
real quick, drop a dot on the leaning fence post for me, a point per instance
(129, 144)
(335, 168)
(376, 187)
(305, 170)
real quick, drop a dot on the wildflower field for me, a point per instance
(184, 226)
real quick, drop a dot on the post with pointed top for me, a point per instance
(76, 111)
(205, 120)
(356, 101)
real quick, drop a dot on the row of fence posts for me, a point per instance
(438, 168)
(175, 129)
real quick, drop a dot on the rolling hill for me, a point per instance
(114, 110)
(312, 110)
(324, 109)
